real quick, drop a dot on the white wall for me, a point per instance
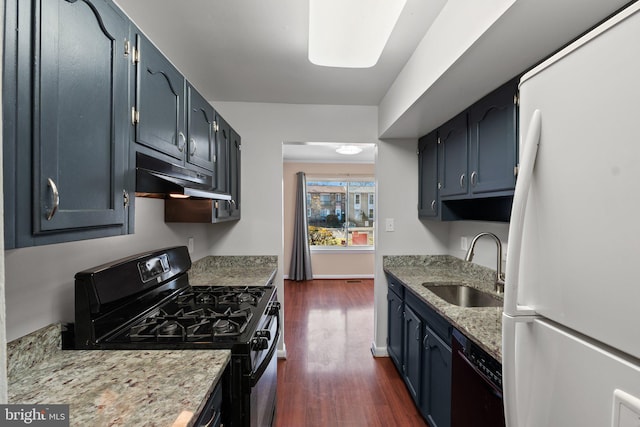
(397, 184)
(485, 250)
(39, 280)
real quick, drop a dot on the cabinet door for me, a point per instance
(492, 126)
(223, 141)
(201, 145)
(394, 328)
(234, 175)
(160, 102)
(428, 204)
(80, 115)
(453, 156)
(412, 352)
(436, 380)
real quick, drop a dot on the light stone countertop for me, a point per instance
(112, 387)
(233, 271)
(483, 325)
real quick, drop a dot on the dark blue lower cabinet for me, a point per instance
(435, 402)
(394, 327)
(412, 352)
(418, 343)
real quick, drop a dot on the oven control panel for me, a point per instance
(153, 267)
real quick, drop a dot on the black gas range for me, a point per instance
(146, 302)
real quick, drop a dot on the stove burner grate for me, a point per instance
(221, 296)
(199, 324)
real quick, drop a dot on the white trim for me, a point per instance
(338, 276)
(342, 249)
(379, 351)
(282, 353)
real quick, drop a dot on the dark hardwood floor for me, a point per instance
(330, 377)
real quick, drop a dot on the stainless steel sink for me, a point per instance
(463, 295)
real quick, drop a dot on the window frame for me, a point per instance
(365, 209)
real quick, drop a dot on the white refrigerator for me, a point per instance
(571, 323)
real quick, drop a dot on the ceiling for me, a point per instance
(256, 50)
(325, 152)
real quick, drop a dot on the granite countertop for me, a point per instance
(483, 325)
(112, 387)
(233, 271)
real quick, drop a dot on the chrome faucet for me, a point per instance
(499, 284)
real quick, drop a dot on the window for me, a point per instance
(337, 216)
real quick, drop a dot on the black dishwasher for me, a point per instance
(476, 386)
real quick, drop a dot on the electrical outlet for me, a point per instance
(464, 243)
(190, 245)
(388, 224)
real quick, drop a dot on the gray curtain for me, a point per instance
(300, 268)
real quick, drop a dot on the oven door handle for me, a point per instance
(255, 377)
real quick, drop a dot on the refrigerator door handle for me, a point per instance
(509, 367)
(521, 194)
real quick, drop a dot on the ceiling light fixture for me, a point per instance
(348, 149)
(350, 33)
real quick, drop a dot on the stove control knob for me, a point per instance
(273, 309)
(259, 343)
(263, 333)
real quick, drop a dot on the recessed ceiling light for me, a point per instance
(348, 149)
(350, 33)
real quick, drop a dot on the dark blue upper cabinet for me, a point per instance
(223, 145)
(453, 149)
(234, 174)
(477, 159)
(428, 203)
(492, 128)
(67, 129)
(159, 113)
(201, 133)
(81, 138)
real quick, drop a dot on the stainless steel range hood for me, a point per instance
(157, 177)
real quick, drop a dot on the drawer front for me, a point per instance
(395, 286)
(435, 321)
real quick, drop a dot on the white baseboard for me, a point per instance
(379, 351)
(338, 276)
(282, 353)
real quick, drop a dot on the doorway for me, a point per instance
(352, 217)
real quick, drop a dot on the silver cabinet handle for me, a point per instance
(462, 181)
(184, 141)
(418, 332)
(474, 178)
(233, 202)
(56, 199)
(192, 146)
(433, 205)
(425, 341)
